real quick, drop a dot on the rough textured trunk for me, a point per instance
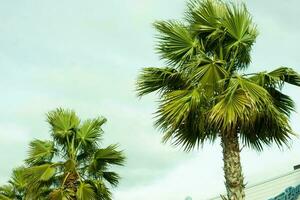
(71, 184)
(234, 179)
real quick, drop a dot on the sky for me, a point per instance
(86, 55)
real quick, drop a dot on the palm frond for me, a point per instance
(110, 155)
(175, 107)
(90, 132)
(160, 79)
(241, 35)
(18, 179)
(40, 152)
(208, 74)
(63, 124)
(282, 102)
(287, 75)
(175, 43)
(102, 191)
(111, 177)
(239, 104)
(274, 81)
(3, 197)
(238, 24)
(85, 192)
(204, 16)
(7, 192)
(277, 78)
(182, 117)
(60, 194)
(270, 126)
(37, 175)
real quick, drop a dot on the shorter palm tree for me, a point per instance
(15, 189)
(71, 165)
(7, 192)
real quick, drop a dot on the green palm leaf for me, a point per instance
(177, 111)
(209, 75)
(270, 126)
(111, 177)
(286, 75)
(160, 79)
(102, 191)
(241, 102)
(274, 81)
(7, 192)
(175, 43)
(60, 194)
(3, 197)
(63, 124)
(282, 102)
(241, 35)
(109, 155)
(38, 175)
(204, 16)
(239, 26)
(277, 78)
(40, 152)
(85, 192)
(90, 132)
(18, 179)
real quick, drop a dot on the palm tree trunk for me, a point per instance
(234, 179)
(71, 184)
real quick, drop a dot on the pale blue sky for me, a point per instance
(86, 55)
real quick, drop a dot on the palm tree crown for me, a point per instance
(203, 91)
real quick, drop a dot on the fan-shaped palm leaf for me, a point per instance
(111, 177)
(161, 80)
(85, 192)
(175, 43)
(36, 176)
(7, 192)
(241, 103)
(102, 191)
(277, 78)
(60, 194)
(63, 124)
(204, 16)
(40, 152)
(109, 155)
(90, 132)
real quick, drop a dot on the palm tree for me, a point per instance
(204, 93)
(15, 190)
(71, 165)
(7, 192)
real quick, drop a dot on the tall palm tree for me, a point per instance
(204, 93)
(71, 165)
